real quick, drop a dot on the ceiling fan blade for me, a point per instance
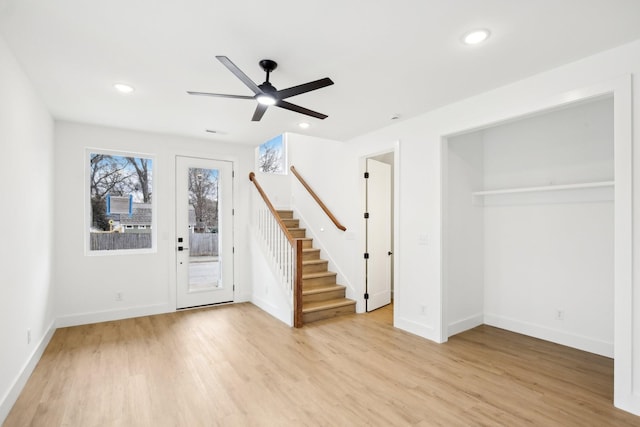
(303, 88)
(298, 109)
(239, 74)
(260, 110)
(220, 95)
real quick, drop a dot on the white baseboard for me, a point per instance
(419, 329)
(548, 334)
(465, 324)
(16, 388)
(109, 315)
(282, 315)
(628, 402)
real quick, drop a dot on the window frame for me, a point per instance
(280, 140)
(87, 203)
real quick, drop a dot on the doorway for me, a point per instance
(379, 231)
(204, 232)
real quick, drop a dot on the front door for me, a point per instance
(204, 226)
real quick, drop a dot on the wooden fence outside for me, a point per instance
(115, 241)
(200, 244)
(203, 244)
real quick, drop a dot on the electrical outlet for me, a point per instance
(119, 296)
(559, 314)
(28, 336)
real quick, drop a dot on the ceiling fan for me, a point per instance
(266, 94)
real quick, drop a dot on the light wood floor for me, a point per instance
(236, 366)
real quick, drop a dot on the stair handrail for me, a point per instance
(274, 212)
(296, 245)
(317, 199)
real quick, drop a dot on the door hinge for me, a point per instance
(366, 296)
(233, 211)
(233, 249)
(366, 255)
(366, 215)
(233, 174)
(366, 175)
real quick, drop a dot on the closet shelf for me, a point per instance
(546, 188)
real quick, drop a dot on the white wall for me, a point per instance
(26, 290)
(268, 292)
(85, 289)
(463, 226)
(328, 171)
(419, 277)
(550, 252)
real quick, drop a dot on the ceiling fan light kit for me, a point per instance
(266, 94)
(266, 99)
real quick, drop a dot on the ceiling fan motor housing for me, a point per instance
(268, 65)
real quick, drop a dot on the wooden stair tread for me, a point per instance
(321, 289)
(314, 306)
(314, 261)
(318, 275)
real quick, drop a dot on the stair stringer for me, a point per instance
(341, 278)
(268, 292)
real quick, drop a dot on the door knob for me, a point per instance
(180, 248)
(389, 253)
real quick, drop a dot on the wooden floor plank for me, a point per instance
(235, 365)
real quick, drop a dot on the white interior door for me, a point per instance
(378, 234)
(204, 226)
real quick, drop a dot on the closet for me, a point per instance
(528, 227)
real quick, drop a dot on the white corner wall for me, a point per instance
(420, 276)
(85, 287)
(26, 141)
(463, 226)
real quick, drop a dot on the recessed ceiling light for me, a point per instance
(476, 36)
(123, 88)
(304, 125)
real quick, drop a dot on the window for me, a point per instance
(271, 157)
(120, 202)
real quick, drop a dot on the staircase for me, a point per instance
(322, 297)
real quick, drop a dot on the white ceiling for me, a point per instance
(386, 57)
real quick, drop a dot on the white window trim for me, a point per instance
(87, 203)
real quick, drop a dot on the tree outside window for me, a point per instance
(272, 156)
